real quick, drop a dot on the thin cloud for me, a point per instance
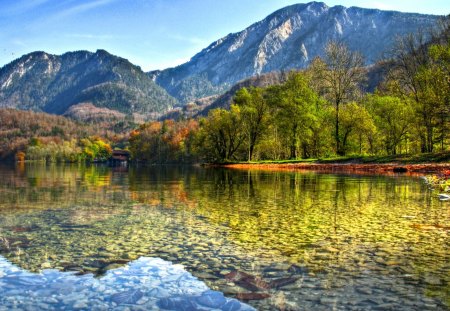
(23, 6)
(89, 36)
(191, 40)
(82, 8)
(18, 42)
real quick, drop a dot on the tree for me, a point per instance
(355, 120)
(339, 78)
(435, 79)
(421, 67)
(221, 134)
(296, 106)
(255, 115)
(20, 156)
(393, 118)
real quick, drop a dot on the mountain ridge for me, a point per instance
(287, 39)
(52, 83)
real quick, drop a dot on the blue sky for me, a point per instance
(154, 34)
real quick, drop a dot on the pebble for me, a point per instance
(80, 305)
(364, 290)
(327, 300)
(225, 272)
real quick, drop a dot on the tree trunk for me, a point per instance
(339, 150)
(294, 142)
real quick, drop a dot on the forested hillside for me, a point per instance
(325, 110)
(28, 135)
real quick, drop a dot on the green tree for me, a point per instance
(255, 112)
(355, 121)
(422, 73)
(221, 134)
(435, 93)
(296, 106)
(393, 118)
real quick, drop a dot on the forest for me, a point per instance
(26, 135)
(322, 111)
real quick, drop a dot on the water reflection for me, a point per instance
(279, 240)
(143, 284)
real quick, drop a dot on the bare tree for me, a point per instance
(416, 71)
(339, 77)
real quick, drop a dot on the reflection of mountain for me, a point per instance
(147, 283)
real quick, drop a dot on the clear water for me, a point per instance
(271, 240)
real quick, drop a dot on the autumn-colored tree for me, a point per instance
(20, 156)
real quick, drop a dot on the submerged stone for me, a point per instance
(252, 296)
(129, 297)
(232, 305)
(177, 303)
(211, 299)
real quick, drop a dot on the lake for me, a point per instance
(189, 238)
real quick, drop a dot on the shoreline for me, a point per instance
(357, 168)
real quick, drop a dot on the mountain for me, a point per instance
(376, 73)
(287, 39)
(51, 83)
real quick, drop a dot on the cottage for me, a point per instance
(120, 156)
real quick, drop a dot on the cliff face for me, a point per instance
(287, 39)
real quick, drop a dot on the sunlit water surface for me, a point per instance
(174, 238)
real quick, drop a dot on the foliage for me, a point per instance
(393, 118)
(339, 77)
(303, 115)
(95, 149)
(317, 113)
(92, 149)
(355, 124)
(221, 135)
(43, 137)
(421, 74)
(255, 115)
(163, 142)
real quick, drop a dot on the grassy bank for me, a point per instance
(423, 164)
(441, 157)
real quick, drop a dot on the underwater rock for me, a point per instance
(232, 305)
(298, 269)
(247, 281)
(278, 283)
(177, 303)
(129, 297)
(211, 299)
(252, 296)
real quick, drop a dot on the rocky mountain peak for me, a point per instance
(52, 83)
(287, 39)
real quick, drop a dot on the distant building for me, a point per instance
(120, 156)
